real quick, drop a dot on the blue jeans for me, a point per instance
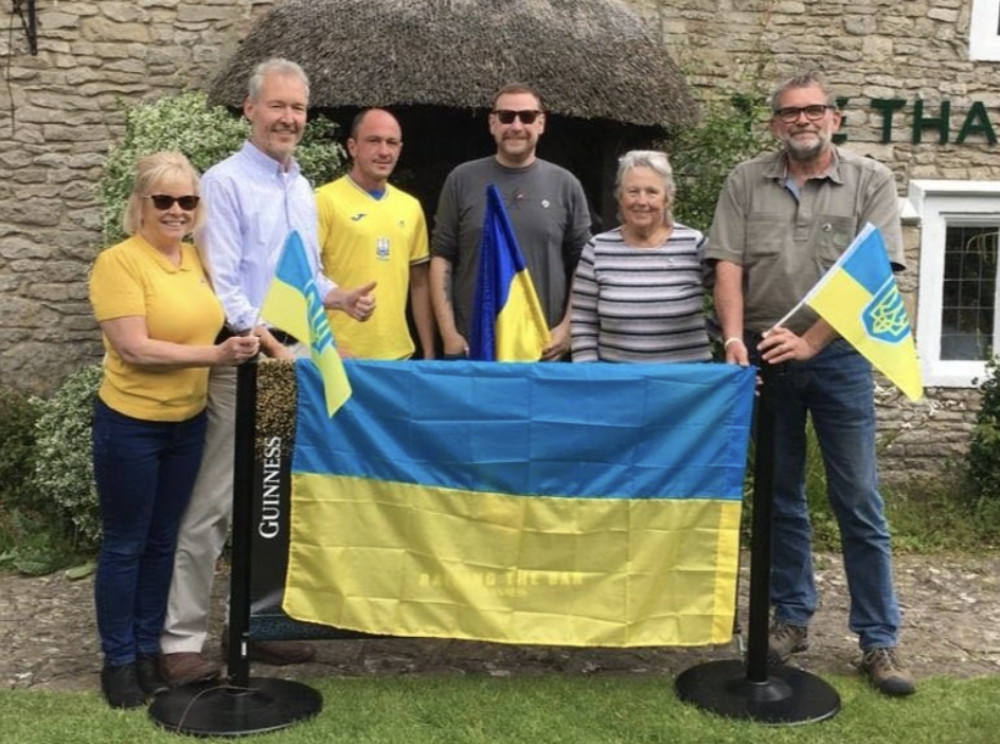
(836, 389)
(144, 472)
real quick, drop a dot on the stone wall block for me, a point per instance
(200, 12)
(124, 12)
(860, 25)
(942, 14)
(19, 312)
(18, 248)
(34, 212)
(102, 29)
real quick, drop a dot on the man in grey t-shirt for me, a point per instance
(548, 211)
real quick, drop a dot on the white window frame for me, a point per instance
(939, 204)
(984, 30)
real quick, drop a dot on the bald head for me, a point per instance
(374, 146)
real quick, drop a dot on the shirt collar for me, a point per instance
(777, 169)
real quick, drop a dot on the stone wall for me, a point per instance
(58, 115)
(61, 111)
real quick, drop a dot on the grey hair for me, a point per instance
(806, 80)
(149, 172)
(274, 66)
(658, 162)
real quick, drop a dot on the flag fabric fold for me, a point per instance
(859, 297)
(588, 505)
(508, 324)
(293, 304)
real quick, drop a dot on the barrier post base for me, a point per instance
(219, 709)
(787, 697)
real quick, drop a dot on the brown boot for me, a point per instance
(279, 653)
(186, 667)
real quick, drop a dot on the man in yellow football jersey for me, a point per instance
(368, 228)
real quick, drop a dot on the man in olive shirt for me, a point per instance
(782, 219)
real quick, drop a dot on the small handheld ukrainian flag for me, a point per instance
(294, 305)
(508, 324)
(859, 297)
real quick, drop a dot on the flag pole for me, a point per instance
(244, 704)
(751, 688)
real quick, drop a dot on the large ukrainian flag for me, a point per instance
(545, 503)
(859, 297)
(508, 324)
(293, 304)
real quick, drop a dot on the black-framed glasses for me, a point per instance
(163, 202)
(814, 112)
(507, 116)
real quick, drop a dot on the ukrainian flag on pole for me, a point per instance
(858, 296)
(567, 504)
(508, 324)
(293, 304)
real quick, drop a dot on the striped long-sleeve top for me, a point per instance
(635, 304)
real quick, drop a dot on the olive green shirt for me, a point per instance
(786, 238)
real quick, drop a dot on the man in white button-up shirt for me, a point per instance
(254, 199)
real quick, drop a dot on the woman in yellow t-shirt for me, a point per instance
(159, 319)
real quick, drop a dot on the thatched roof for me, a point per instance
(591, 59)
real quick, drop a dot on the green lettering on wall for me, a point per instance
(940, 123)
(887, 106)
(977, 122)
(840, 136)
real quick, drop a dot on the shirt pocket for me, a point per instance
(832, 235)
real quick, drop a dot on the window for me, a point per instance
(958, 304)
(984, 30)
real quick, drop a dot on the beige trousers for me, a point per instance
(205, 523)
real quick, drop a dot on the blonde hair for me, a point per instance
(150, 171)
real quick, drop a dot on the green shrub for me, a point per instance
(64, 473)
(205, 134)
(983, 457)
(17, 452)
(730, 132)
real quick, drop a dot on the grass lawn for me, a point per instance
(549, 710)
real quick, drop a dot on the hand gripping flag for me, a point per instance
(858, 296)
(567, 504)
(508, 324)
(294, 305)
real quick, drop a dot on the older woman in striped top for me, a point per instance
(638, 291)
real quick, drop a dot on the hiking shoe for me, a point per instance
(187, 667)
(120, 686)
(147, 671)
(886, 672)
(783, 640)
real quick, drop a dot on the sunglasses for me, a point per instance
(506, 116)
(790, 114)
(163, 202)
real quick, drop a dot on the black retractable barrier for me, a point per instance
(244, 705)
(751, 688)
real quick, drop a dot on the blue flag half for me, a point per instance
(508, 324)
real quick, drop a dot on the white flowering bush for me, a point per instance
(64, 472)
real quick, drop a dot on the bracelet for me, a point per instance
(731, 340)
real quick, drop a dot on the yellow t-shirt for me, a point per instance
(134, 279)
(363, 239)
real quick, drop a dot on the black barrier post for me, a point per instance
(752, 689)
(244, 705)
